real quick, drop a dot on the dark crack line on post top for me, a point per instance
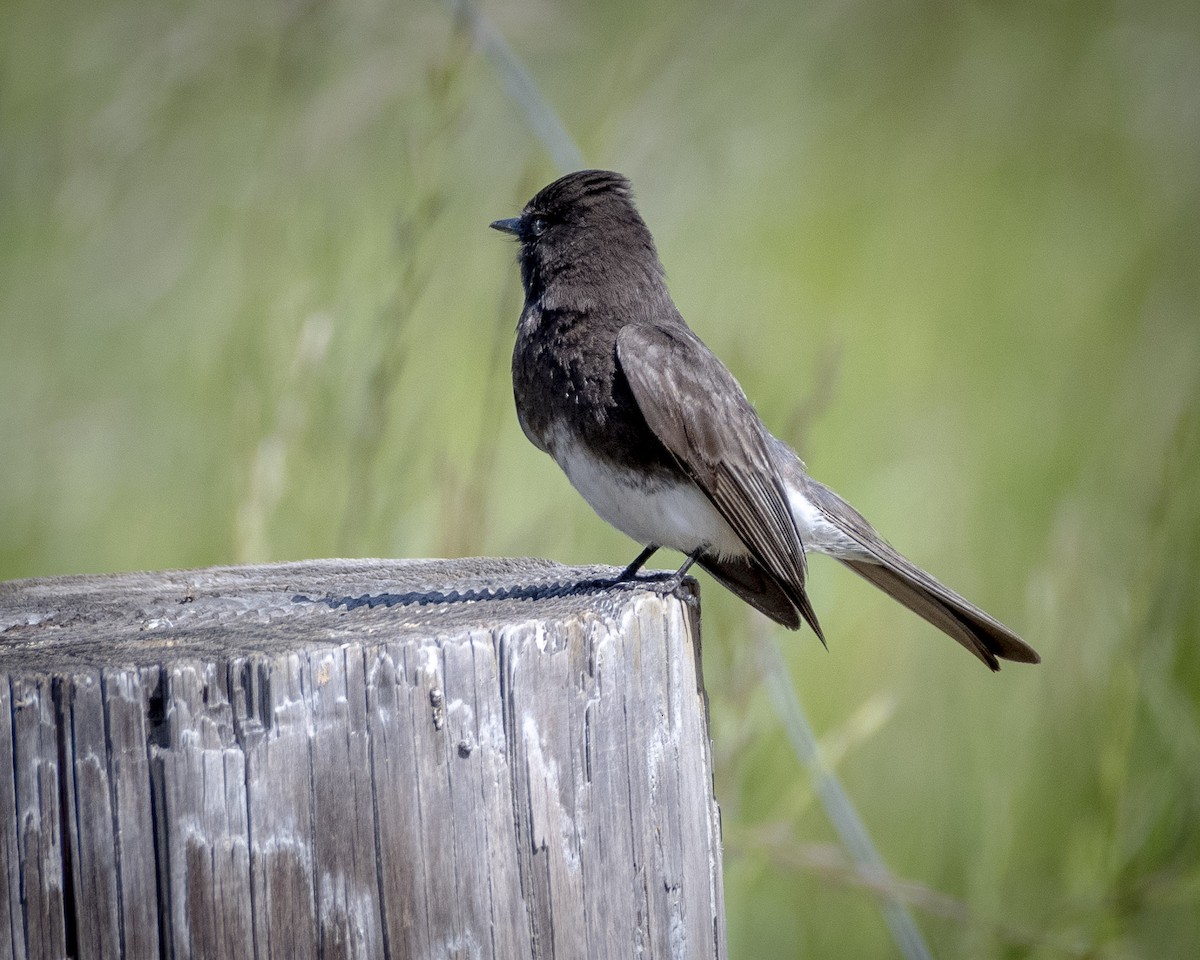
(535, 591)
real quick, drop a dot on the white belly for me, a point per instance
(678, 516)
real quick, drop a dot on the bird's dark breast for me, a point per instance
(568, 388)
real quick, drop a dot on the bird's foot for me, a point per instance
(672, 584)
(630, 572)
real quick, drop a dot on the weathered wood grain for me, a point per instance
(37, 777)
(89, 813)
(125, 709)
(12, 933)
(359, 759)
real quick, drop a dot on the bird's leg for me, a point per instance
(640, 561)
(687, 564)
(671, 584)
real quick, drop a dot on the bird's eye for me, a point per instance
(537, 226)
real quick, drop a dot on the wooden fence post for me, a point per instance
(428, 759)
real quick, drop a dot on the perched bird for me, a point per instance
(657, 435)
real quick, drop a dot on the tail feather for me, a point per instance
(860, 548)
(985, 637)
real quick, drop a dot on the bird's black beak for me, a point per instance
(512, 225)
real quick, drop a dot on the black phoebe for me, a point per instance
(658, 436)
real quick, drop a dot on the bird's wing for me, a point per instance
(745, 577)
(698, 411)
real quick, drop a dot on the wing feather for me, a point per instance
(698, 411)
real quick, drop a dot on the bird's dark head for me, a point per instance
(581, 230)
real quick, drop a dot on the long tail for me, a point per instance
(955, 616)
(853, 541)
(903, 580)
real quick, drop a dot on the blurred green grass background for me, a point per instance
(250, 310)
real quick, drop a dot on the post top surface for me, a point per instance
(145, 618)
